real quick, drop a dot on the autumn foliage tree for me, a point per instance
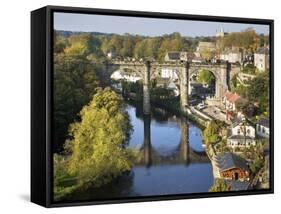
(247, 39)
(97, 149)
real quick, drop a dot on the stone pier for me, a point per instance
(146, 88)
(147, 141)
(184, 144)
(184, 86)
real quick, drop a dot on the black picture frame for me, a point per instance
(41, 102)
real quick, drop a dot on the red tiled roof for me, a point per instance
(228, 94)
(231, 97)
(234, 98)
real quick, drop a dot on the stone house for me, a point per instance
(262, 128)
(232, 55)
(232, 167)
(210, 46)
(261, 59)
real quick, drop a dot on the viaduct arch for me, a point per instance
(148, 70)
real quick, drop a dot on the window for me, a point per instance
(263, 130)
(248, 131)
(238, 131)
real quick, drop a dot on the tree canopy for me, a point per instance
(212, 132)
(206, 77)
(247, 39)
(97, 148)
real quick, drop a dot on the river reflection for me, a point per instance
(172, 159)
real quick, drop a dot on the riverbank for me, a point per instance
(212, 154)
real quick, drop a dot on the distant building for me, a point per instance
(230, 100)
(233, 55)
(261, 59)
(121, 75)
(111, 54)
(221, 33)
(262, 128)
(241, 134)
(197, 59)
(169, 73)
(178, 56)
(172, 56)
(232, 167)
(211, 46)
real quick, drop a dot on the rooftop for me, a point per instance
(232, 97)
(239, 137)
(238, 185)
(239, 120)
(229, 160)
(264, 122)
(263, 50)
(174, 55)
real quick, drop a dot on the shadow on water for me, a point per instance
(120, 187)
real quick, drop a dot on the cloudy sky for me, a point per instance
(145, 26)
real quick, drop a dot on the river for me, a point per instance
(172, 159)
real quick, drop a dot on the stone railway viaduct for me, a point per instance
(149, 70)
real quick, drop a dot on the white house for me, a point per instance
(169, 73)
(261, 59)
(232, 55)
(121, 75)
(262, 128)
(241, 134)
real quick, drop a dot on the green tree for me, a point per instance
(60, 43)
(212, 132)
(75, 81)
(128, 46)
(207, 54)
(249, 69)
(219, 186)
(247, 39)
(258, 91)
(206, 77)
(97, 149)
(256, 165)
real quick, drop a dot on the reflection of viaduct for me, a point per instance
(182, 154)
(148, 70)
